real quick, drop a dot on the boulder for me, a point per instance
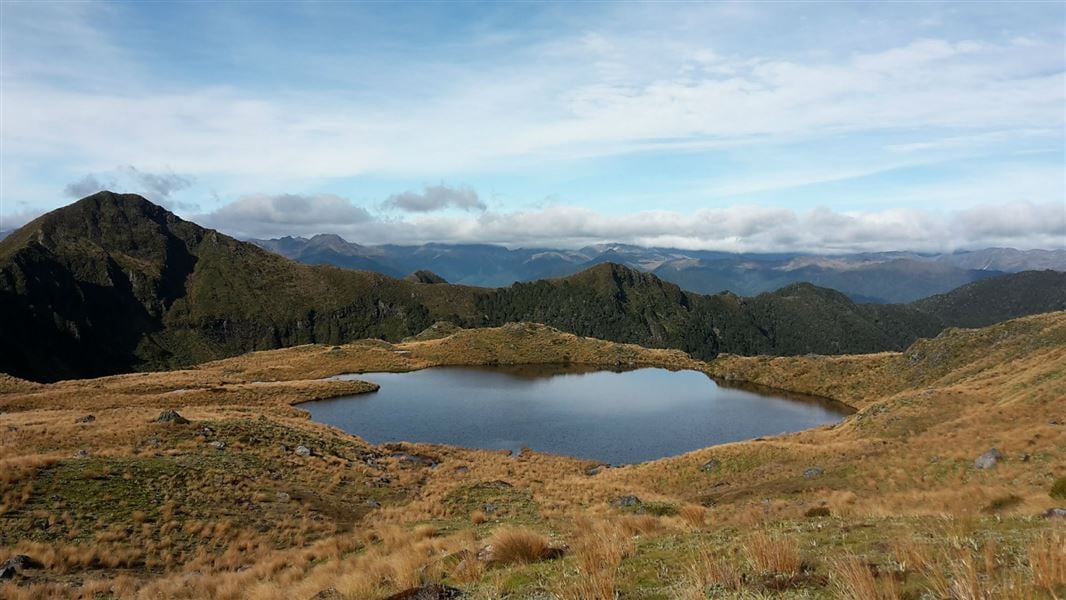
(303, 451)
(7, 573)
(171, 416)
(710, 465)
(218, 445)
(988, 459)
(623, 501)
(1054, 513)
(813, 472)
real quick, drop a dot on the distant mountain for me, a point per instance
(114, 283)
(869, 277)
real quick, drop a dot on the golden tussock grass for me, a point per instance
(772, 553)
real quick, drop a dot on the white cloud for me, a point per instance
(293, 213)
(434, 198)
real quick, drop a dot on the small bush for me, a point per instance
(1002, 503)
(1058, 489)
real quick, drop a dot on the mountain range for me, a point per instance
(114, 283)
(868, 277)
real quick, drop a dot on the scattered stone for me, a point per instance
(83, 453)
(303, 451)
(988, 459)
(433, 591)
(710, 465)
(623, 501)
(85, 419)
(813, 472)
(1054, 513)
(171, 416)
(21, 562)
(417, 460)
(218, 445)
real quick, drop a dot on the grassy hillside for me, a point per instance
(886, 504)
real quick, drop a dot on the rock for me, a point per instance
(218, 445)
(591, 471)
(1054, 513)
(813, 472)
(7, 573)
(373, 503)
(710, 465)
(83, 453)
(988, 459)
(489, 507)
(432, 591)
(329, 593)
(623, 501)
(282, 497)
(417, 460)
(303, 451)
(462, 470)
(21, 561)
(85, 419)
(487, 553)
(171, 416)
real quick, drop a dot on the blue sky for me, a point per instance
(749, 126)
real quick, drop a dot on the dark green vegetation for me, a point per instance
(113, 283)
(867, 277)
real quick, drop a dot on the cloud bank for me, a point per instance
(740, 228)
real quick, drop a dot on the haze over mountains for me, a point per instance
(114, 283)
(868, 277)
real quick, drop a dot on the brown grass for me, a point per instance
(898, 483)
(512, 546)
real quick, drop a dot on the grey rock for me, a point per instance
(171, 416)
(218, 445)
(462, 470)
(710, 465)
(988, 459)
(85, 419)
(623, 501)
(282, 497)
(83, 453)
(1054, 513)
(303, 451)
(489, 507)
(813, 472)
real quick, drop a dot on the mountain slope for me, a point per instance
(867, 277)
(114, 283)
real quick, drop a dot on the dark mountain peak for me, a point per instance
(424, 276)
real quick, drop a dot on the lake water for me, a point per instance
(610, 416)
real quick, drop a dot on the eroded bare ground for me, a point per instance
(251, 499)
